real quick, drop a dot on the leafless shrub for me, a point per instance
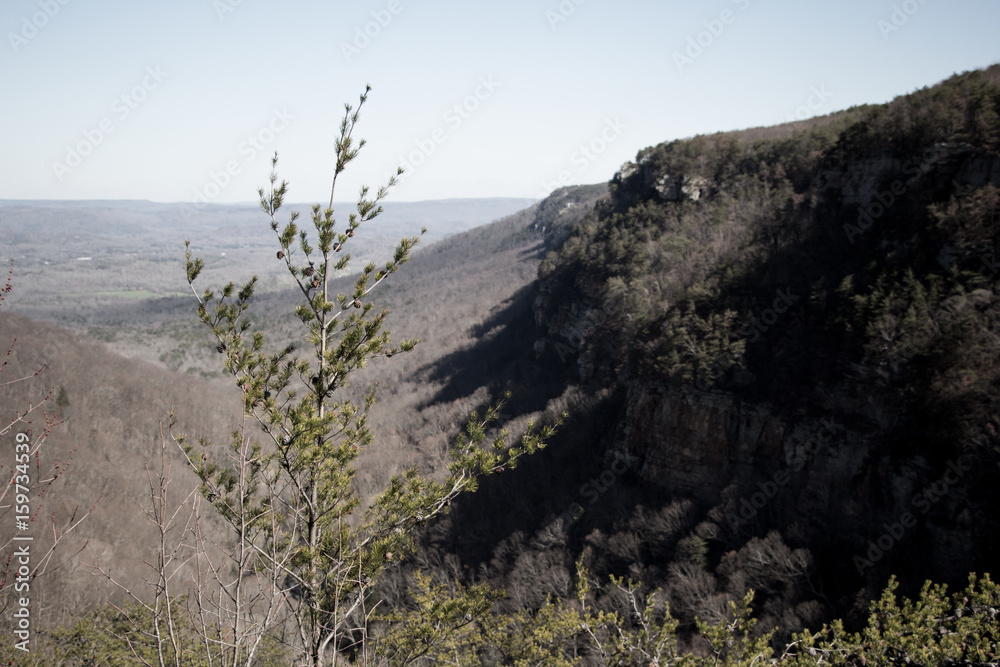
(766, 565)
(694, 593)
(40, 521)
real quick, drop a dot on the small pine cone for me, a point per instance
(220, 348)
(357, 303)
(308, 271)
(337, 247)
(281, 254)
(350, 232)
(315, 282)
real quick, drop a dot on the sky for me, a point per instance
(186, 101)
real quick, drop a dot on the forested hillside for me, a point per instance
(778, 352)
(787, 350)
(107, 413)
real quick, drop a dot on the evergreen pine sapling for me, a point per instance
(314, 549)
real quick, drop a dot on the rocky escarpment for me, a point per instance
(857, 422)
(829, 484)
(944, 163)
(673, 187)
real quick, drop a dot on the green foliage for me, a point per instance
(663, 272)
(932, 630)
(969, 222)
(693, 550)
(455, 625)
(546, 636)
(441, 628)
(699, 350)
(40, 655)
(733, 642)
(650, 638)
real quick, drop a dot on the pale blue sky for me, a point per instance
(200, 77)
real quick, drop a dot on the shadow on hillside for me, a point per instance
(511, 508)
(501, 358)
(557, 481)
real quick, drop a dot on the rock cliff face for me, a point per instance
(831, 484)
(668, 187)
(862, 180)
(692, 440)
(705, 444)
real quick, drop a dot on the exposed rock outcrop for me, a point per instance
(668, 187)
